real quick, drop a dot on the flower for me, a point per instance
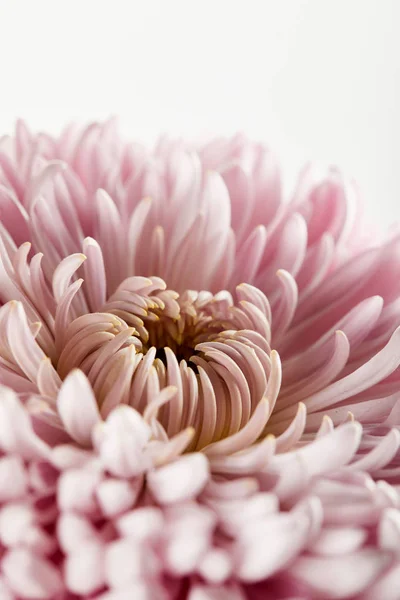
(200, 381)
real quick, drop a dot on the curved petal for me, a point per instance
(77, 407)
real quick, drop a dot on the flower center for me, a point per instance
(199, 318)
(215, 351)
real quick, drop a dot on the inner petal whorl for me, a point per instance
(213, 350)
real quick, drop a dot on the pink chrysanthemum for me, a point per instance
(200, 383)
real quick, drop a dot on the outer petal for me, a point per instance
(84, 569)
(74, 531)
(16, 433)
(30, 576)
(77, 407)
(387, 587)
(259, 558)
(127, 562)
(341, 577)
(116, 496)
(121, 442)
(76, 490)
(13, 479)
(181, 480)
(137, 591)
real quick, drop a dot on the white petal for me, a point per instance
(77, 407)
(121, 442)
(116, 496)
(84, 569)
(258, 558)
(128, 562)
(76, 490)
(334, 541)
(180, 480)
(74, 531)
(389, 531)
(381, 455)
(141, 523)
(30, 576)
(341, 576)
(16, 432)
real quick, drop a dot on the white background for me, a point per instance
(314, 78)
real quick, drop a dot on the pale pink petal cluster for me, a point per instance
(200, 380)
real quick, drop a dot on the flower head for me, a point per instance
(200, 380)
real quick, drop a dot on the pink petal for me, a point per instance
(258, 558)
(240, 487)
(30, 576)
(74, 531)
(39, 541)
(216, 566)
(322, 455)
(128, 562)
(26, 351)
(64, 272)
(16, 433)
(77, 407)
(246, 436)
(94, 274)
(15, 519)
(48, 380)
(5, 591)
(13, 479)
(66, 457)
(76, 490)
(84, 569)
(389, 531)
(121, 442)
(172, 449)
(179, 481)
(387, 586)
(375, 370)
(137, 591)
(293, 433)
(116, 496)
(238, 515)
(248, 461)
(334, 541)
(381, 455)
(188, 537)
(341, 576)
(331, 451)
(141, 523)
(326, 427)
(285, 310)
